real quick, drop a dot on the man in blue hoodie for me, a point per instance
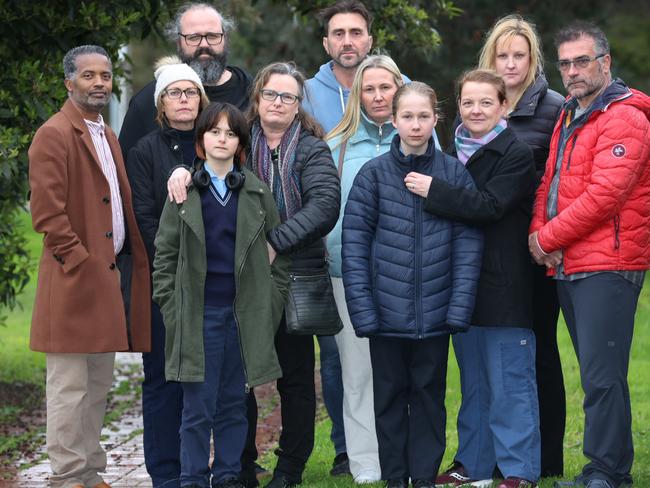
(347, 41)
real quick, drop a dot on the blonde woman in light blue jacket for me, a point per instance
(365, 132)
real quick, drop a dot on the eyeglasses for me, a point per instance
(272, 95)
(212, 38)
(176, 93)
(580, 63)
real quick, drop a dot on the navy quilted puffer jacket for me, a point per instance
(407, 273)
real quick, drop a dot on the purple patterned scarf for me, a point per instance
(288, 197)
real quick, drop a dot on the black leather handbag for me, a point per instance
(311, 309)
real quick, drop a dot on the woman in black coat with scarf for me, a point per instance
(498, 423)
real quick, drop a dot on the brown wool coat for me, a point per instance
(78, 306)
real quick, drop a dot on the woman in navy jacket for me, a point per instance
(410, 279)
(498, 422)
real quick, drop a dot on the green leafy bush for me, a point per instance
(35, 36)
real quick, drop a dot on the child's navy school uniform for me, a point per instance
(213, 280)
(218, 404)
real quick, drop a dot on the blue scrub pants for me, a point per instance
(498, 421)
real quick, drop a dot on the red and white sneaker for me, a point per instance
(456, 475)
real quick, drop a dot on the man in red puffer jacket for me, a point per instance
(591, 228)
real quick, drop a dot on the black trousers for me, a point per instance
(297, 402)
(249, 454)
(409, 381)
(599, 313)
(550, 382)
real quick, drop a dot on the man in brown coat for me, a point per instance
(81, 202)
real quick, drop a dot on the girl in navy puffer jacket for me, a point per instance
(410, 280)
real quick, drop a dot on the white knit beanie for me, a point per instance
(169, 70)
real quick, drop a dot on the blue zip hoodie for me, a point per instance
(325, 99)
(370, 141)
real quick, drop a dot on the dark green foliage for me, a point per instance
(35, 36)
(435, 41)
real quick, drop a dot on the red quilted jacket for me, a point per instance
(603, 219)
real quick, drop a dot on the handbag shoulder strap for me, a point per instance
(341, 157)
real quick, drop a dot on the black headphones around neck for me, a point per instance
(234, 179)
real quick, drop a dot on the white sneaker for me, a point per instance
(480, 483)
(365, 477)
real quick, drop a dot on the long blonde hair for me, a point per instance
(505, 30)
(349, 124)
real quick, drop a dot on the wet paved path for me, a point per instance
(124, 449)
(122, 440)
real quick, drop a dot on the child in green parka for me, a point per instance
(221, 296)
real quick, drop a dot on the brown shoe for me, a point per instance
(103, 484)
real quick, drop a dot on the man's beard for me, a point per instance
(209, 70)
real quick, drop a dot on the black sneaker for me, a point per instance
(423, 483)
(281, 482)
(248, 476)
(341, 465)
(397, 483)
(577, 482)
(230, 483)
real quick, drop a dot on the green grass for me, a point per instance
(17, 363)
(20, 365)
(316, 474)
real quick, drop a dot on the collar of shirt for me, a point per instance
(218, 183)
(97, 126)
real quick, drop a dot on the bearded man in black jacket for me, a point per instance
(201, 36)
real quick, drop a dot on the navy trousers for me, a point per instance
(409, 378)
(216, 406)
(599, 312)
(332, 385)
(162, 404)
